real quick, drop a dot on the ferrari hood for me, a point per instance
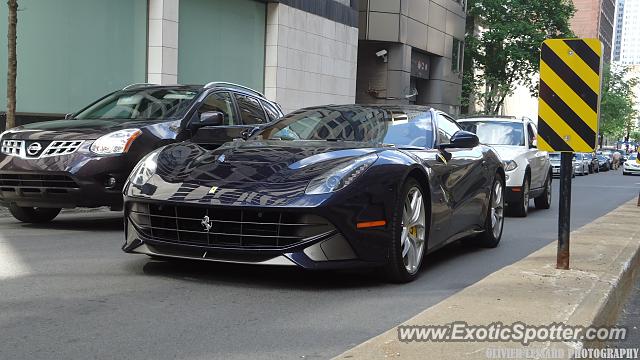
(254, 163)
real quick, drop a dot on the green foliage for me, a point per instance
(618, 116)
(502, 46)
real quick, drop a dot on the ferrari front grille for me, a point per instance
(225, 227)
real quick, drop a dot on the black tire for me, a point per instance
(488, 239)
(520, 208)
(395, 271)
(33, 215)
(625, 173)
(544, 200)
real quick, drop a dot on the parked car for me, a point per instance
(84, 160)
(528, 170)
(555, 160)
(631, 166)
(581, 164)
(325, 187)
(604, 162)
(594, 165)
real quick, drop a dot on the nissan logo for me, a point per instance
(34, 149)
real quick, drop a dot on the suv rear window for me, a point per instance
(250, 110)
(496, 132)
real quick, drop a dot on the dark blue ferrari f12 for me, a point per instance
(323, 188)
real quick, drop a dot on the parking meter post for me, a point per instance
(564, 219)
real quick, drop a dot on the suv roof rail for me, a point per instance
(488, 117)
(224, 83)
(137, 85)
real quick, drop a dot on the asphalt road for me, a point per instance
(67, 291)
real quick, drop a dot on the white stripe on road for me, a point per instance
(11, 265)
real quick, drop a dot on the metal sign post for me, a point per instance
(568, 114)
(564, 218)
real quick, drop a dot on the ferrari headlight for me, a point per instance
(510, 165)
(340, 177)
(117, 142)
(145, 169)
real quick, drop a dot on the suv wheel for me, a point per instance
(33, 215)
(520, 208)
(544, 200)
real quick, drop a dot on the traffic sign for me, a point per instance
(569, 103)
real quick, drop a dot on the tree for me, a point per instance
(618, 116)
(502, 46)
(12, 63)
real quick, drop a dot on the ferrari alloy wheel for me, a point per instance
(413, 230)
(497, 209)
(410, 234)
(494, 223)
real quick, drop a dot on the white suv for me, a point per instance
(528, 170)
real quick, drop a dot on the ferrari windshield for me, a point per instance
(148, 104)
(354, 123)
(496, 132)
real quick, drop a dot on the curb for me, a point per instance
(604, 266)
(614, 302)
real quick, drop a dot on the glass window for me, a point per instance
(222, 102)
(457, 58)
(531, 134)
(412, 129)
(446, 129)
(250, 110)
(272, 114)
(496, 132)
(353, 123)
(149, 104)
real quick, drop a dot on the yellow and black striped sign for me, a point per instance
(569, 104)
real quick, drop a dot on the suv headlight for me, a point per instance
(145, 169)
(510, 165)
(117, 142)
(340, 177)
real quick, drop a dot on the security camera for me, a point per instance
(382, 54)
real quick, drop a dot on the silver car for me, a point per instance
(581, 164)
(554, 158)
(527, 169)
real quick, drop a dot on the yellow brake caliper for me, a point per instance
(413, 231)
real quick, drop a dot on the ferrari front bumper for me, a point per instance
(264, 237)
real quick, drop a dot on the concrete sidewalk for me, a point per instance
(604, 262)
